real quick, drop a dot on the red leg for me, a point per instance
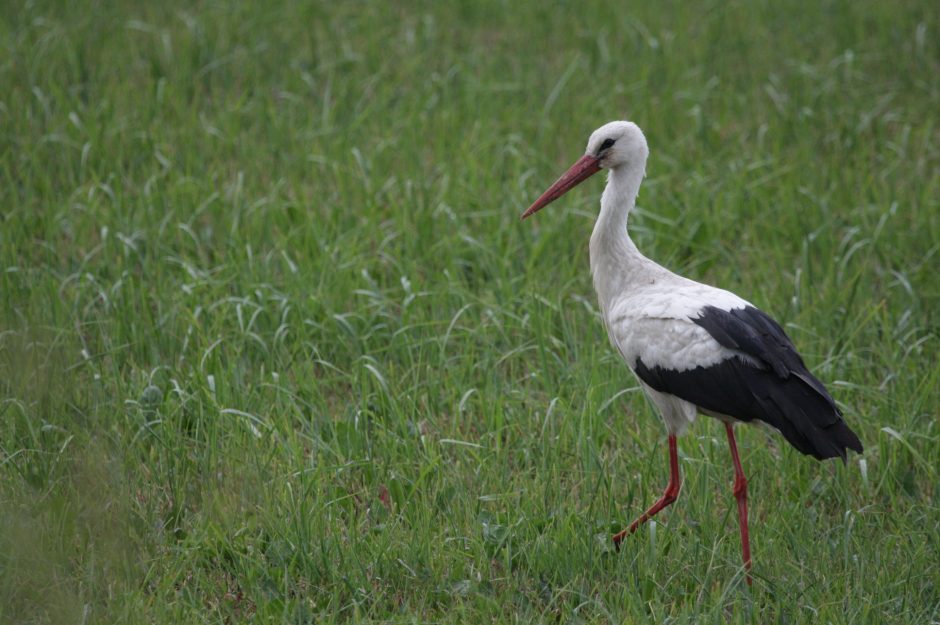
(671, 494)
(740, 493)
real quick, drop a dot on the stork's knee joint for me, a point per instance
(672, 493)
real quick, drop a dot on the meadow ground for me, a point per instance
(275, 348)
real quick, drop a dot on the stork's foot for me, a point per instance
(740, 494)
(669, 496)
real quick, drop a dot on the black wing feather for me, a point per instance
(778, 390)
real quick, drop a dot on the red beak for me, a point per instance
(584, 168)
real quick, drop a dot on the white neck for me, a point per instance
(616, 263)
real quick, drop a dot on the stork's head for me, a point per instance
(613, 146)
(618, 144)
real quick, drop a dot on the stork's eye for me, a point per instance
(606, 144)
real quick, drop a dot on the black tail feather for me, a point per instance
(798, 406)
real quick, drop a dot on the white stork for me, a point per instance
(694, 348)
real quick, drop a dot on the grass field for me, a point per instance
(275, 347)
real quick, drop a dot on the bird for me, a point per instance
(694, 348)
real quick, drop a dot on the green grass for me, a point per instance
(275, 348)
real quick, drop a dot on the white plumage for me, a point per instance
(647, 309)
